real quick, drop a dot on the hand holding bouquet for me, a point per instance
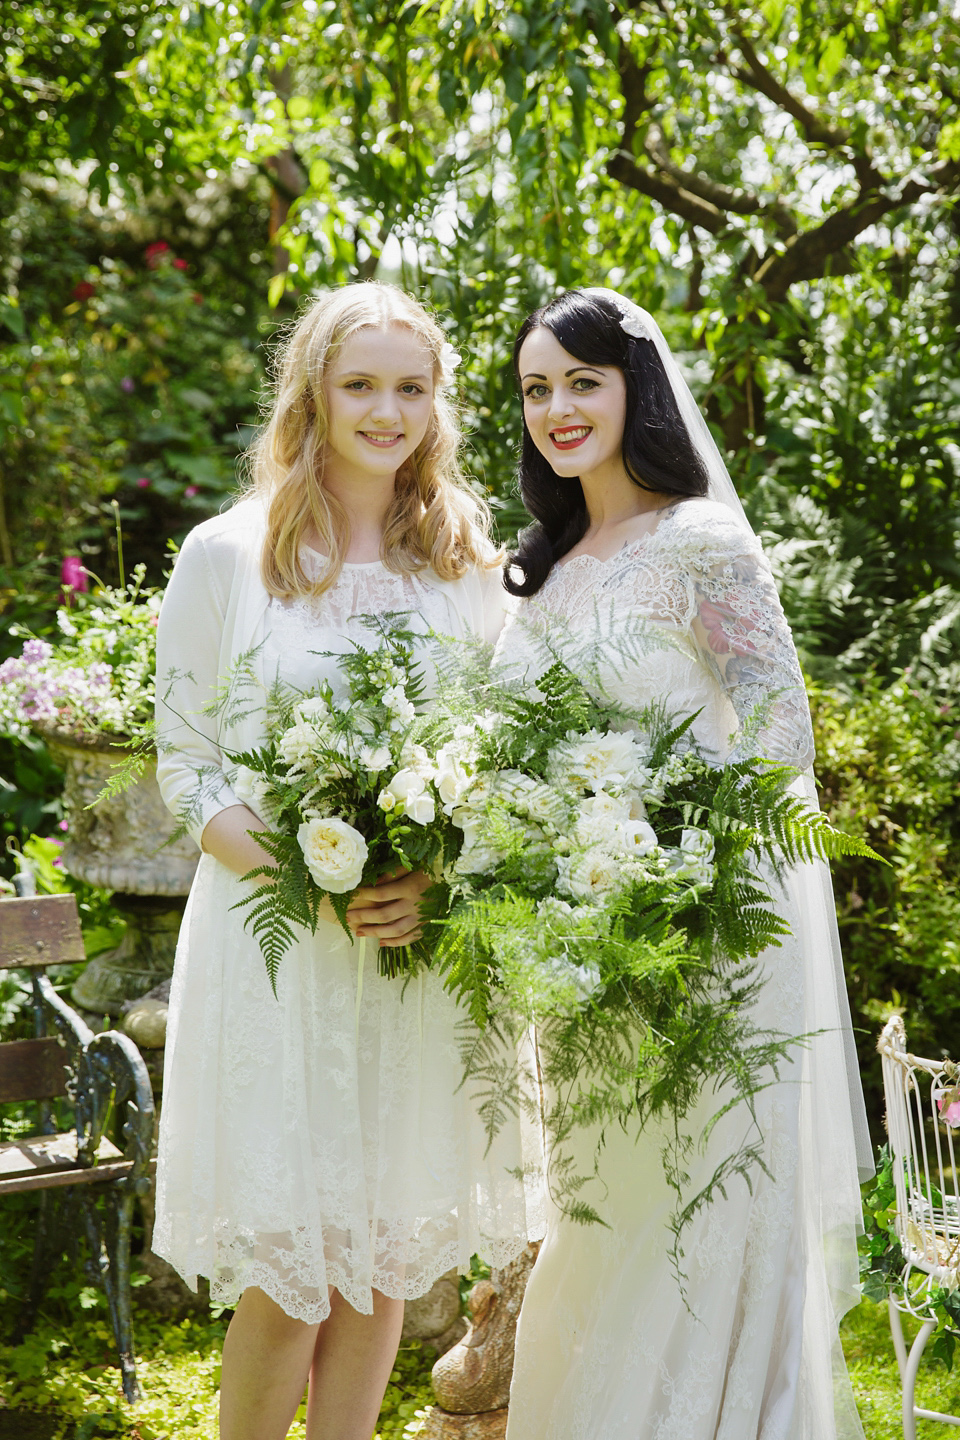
(348, 793)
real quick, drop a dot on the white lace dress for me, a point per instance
(607, 1348)
(304, 1146)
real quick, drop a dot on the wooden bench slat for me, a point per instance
(32, 1070)
(41, 930)
(35, 1153)
(51, 1179)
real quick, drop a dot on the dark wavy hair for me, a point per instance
(658, 453)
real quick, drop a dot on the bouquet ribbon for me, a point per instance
(361, 960)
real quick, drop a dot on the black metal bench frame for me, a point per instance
(99, 1073)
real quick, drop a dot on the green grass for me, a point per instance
(61, 1385)
(876, 1384)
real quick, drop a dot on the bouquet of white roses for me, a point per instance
(348, 792)
(610, 890)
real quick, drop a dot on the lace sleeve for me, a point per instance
(743, 636)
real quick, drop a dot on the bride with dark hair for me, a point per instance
(636, 523)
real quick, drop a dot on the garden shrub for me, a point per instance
(888, 764)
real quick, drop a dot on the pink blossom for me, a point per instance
(73, 577)
(143, 483)
(63, 825)
(950, 1114)
(127, 385)
(192, 490)
(180, 264)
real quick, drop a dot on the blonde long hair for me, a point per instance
(435, 519)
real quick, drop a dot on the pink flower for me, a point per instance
(192, 490)
(180, 264)
(63, 825)
(143, 483)
(127, 385)
(949, 1112)
(73, 577)
(156, 253)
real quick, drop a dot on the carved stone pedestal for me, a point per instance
(472, 1381)
(144, 956)
(119, 845)
(491, 1425)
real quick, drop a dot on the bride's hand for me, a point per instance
(389, 912)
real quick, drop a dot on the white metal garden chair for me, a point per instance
(927, 1184)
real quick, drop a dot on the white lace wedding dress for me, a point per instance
(607, 1347)
(306, 1143)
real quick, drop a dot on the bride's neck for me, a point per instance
(613, 501)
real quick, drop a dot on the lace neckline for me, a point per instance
(638, 540)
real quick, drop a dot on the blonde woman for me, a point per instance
(318, 1163)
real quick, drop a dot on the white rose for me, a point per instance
(335, 853)
(594, 761)
(591, 875)
(599, 817)
(638, 811)
(636, 837)
(420, 808)
(546, 807)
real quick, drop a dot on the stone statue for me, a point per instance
(472, 1381)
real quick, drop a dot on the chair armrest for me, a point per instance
(101, 1070)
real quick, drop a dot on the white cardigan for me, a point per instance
(212, 613)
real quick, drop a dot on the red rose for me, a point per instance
(83, 290)
(180, 264)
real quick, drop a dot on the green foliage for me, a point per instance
(882, 1262)
(889, 770)
(135, 390)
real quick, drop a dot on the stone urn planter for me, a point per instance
(119, 845)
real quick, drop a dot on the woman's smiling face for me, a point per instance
(379, 400)
(575, 412)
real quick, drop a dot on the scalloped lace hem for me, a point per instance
(311, 1303)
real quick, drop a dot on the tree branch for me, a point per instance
(623, 167)
(758, 77)
(807, 258)
(723, 197)
(667, 191)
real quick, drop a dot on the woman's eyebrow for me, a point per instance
(532, 375)
(366, 375)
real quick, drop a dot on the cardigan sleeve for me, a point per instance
(495, 603)
(189, 645)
